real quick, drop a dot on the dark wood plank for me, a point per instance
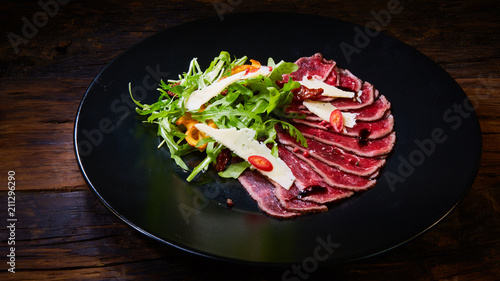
(37, 132)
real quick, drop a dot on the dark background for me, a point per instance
(64, 233)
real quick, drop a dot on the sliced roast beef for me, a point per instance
(335, 177)
(372, 130)
(305, 177)
(348, 81)
(333, 165)
(313, 187)
(289, 199)
(378, 109)
(262, 191)
(314, 66)
(312, 200)
(334, 156)
(333, 78)
(296, 108)
(325, 195)
(365, 148)
(362, 130)
(366, 98)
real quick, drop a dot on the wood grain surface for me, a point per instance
(64, 233)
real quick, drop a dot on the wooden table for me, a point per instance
(51, 51)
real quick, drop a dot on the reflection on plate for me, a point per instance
(433, 165)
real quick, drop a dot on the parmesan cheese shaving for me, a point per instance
(242, 143)
(324, 109)
(328, 90)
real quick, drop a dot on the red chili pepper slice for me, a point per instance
(336, 120)
(260, 163)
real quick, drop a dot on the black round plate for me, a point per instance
(433, 165)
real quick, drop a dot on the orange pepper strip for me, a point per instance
(184, 119)
(239, 68)
(255, 65)
(211, 124)
(193, 135)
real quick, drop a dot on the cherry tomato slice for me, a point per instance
(337, 120)
(260, 163)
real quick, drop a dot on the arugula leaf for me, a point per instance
(235, 170)
(295, 133)
(274, 101)
(176, 151)
(282, 68)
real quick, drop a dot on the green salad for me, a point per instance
(228, 94)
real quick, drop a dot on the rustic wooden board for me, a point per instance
(64, 233)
